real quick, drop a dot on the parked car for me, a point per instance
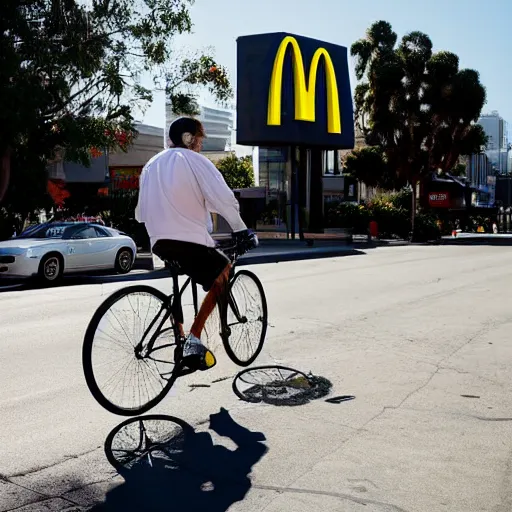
(48, 251)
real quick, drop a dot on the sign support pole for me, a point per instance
(295, 224)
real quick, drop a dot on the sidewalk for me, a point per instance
(279, 250)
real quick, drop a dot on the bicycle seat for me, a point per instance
(174, 267)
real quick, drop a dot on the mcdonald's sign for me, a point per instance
(293, 90)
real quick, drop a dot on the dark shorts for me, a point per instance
(203, 264)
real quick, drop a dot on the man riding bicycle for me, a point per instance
(179, 188)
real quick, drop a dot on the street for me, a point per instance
(419, 335)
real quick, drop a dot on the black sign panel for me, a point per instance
(293, 90)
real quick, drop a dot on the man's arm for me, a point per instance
(218, 196)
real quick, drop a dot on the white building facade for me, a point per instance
(218, 124)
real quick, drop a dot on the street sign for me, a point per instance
(439, 199)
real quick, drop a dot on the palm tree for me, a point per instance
(415, 105)
(389, 101)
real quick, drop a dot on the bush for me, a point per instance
(426, 228)
(348, 216)
(238, 172)
(392, 213)
(402, 200)
(391, 221)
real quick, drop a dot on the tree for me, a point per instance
(27, 194)
(459, 170)
(71, 74)
(238, 172)
(368, 164)
(419, 107)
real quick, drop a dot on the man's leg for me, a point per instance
(209, 302)
(209, 268)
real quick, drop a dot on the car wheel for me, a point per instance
(51, 268)
(124, 261)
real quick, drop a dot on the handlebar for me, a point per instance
(232, 248)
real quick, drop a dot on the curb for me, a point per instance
(496, 241)
(259, 259)
(144, 261)
(319, 249)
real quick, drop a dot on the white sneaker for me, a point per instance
(196, 356)
(193, 346)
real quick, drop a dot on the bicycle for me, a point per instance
(156, 341)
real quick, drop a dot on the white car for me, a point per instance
(50, 250)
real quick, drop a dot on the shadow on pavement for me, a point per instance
(279, 385)
(81, 280)
(170, 467)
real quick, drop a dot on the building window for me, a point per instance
(331, 163)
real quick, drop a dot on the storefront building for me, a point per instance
(274, 175)
(113, 174)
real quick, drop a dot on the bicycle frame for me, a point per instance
(174, 311)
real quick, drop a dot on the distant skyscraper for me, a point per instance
(496, 129)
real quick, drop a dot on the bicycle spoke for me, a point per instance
(124, 378)
(245, 318)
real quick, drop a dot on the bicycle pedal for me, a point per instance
(209, 360)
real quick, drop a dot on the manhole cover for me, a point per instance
(279, 385)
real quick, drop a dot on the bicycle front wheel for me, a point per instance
(245, 318)
(123, 374)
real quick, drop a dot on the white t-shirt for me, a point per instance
(178, 190)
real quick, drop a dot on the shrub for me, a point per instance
(426, 228)
(349, 216)
(402, 200)
(391, 221)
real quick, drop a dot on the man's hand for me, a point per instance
(246, 240)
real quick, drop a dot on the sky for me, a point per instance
(478, 32)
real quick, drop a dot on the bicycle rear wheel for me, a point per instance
(244, 319)
(122, 379)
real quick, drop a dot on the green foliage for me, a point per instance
(402, 199)
(416, 105)
(195, 71)
(238, 172)
(392, 221)
(369, 165)
(458, 170)
(71, 73)
(391, 212)
(349, 216)
(427, 228)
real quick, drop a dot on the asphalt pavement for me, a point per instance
(420, 336)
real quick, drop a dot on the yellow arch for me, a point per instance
(304, 94)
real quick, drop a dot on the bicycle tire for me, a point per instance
(239, 377)
(87, 348)
(226, 334)
(121, 467)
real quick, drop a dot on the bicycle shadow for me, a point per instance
(186, 471)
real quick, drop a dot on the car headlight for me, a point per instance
(30, 253)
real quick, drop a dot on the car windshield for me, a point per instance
(45, 231)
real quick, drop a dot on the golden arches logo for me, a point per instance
(304, 93)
